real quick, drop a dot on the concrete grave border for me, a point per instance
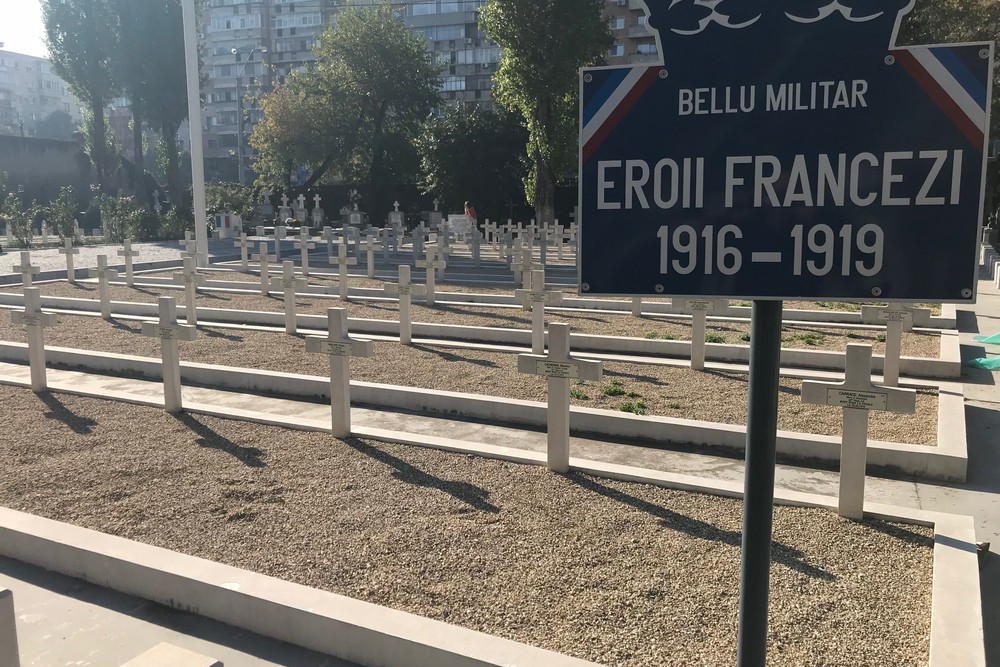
(946, 366)
(383, 637)
(947, 461)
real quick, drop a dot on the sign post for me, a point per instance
(783, 151)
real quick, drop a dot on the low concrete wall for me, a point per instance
(947, 461)
(947, 366)
(333, 624)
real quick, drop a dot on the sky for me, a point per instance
(21, 27)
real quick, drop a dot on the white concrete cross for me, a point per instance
(289, 283)
(339, 347)
(395, 205)
(104, 275)
(77, 232)
(535, 298)
(245, 247)
(559, 367)
(437, 203)
(26, 268)
(328, 235)
(404, 291)
(419, 235)
(263, 258)
(475, 242)
(280, 234)
(127, 253)
(894, 316)
(169, 332)
(69, 251)
(284, 200)
(857, 395)
(370, 242)
(35, 321)
(316, 200)
(342, 261)
(430, 264)
(698, 308)
(301, 200)
(45, 234)
(303, 244)
(191, 279)
(560, 237)
(189, 246)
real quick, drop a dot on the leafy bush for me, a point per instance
(715, 338)
(636, 408)
(120, 217)
(61, 214)
(230, 197)
(579, 395)
(18, 220)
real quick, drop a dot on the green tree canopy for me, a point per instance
(474, 155)
(545, 43)
(83, 39)
(373, 81)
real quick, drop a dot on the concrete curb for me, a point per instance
(946, 366)
(333, 624)
(947, 461)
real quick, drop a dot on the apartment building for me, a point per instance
(250, 45)
(29, 92)
(635, 43)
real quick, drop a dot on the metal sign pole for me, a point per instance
(758, 495)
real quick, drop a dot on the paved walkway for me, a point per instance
(63, 621)
(979, 496)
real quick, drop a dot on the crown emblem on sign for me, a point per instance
(869, 22)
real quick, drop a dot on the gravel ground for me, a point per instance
(622, 574)
(917, 344)
(655, 390)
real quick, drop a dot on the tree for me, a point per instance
(57, 125)
(164, 96)
(373, 79)
(136, 70)
(473, 154)
(82, 36)
(538, 77)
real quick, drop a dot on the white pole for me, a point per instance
(558, 408)
(171, 359)
(853, 458)
(698, 340)
(194, 122)
(636, 306)
(405, 325)
(371, 257)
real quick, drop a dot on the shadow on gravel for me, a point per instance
(59, 412)
(249, 456)
(780, 553)
(470, 494)
(212, 333)
(448, 356)
(127, 326)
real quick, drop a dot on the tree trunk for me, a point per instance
(173, 167)
(100, 156)
(545, 185)
(138, 161)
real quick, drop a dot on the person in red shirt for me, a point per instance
(470, 211)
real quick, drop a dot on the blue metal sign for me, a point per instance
(786, 149)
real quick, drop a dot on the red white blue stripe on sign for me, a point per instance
(951, 85)
(613, 101)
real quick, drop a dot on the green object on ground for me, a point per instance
(994, 339)
(989, 364)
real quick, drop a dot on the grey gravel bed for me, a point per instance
(918, 344)
(654, 390)
(622, 574)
